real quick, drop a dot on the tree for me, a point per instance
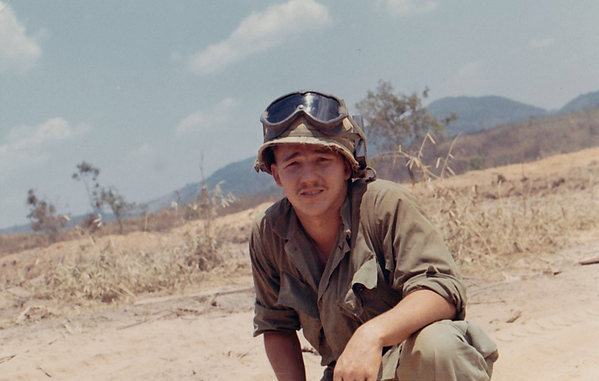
(393, 121)
(117, 204)
(99, 196)
(88, 174)
(43, 218)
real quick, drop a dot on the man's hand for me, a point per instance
(361, 358)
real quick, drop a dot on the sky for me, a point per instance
(157, 93)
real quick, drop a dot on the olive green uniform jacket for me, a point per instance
(386, 249)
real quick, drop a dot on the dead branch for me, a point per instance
(589, 261)
(200, 295)
(13, 355)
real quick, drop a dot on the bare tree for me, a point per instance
(117, 204)
(43, 217)
(88, 175)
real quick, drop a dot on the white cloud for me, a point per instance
(398, 8)
(142, 151)
(261, 31)
(31, 146)
(541, 42)
(146, 156)
(209, 119)
(17, 51)
(471, 80)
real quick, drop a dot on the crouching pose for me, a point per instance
(352, 261)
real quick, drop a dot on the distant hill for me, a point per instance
(520, 142)
(481, 113)
(474, 114)
(583, 102)
(238, 178)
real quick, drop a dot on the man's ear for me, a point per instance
(275, 174)
(348, 169)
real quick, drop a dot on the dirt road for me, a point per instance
(546, 324)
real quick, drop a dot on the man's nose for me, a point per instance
(309, 172)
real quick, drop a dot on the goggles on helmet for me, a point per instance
(326, 112)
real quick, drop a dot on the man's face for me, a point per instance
(314, 178)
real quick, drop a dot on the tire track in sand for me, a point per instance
(555, 347)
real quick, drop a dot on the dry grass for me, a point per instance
(92, 272)
(493, 221)
(514, 222)
(110, 273)
(162, 221)
(503, 145)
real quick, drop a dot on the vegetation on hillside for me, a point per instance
(509, 144)
(393, 121)
(491, 224)
(517, 222)
(43, 217)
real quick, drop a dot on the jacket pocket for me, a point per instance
(369, 295)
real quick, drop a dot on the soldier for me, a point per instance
(352, 261)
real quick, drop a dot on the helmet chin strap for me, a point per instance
(360, 140)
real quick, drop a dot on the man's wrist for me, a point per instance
(371, 333)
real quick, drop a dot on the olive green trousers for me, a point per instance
(443, 351)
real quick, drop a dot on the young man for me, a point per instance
(352, 261)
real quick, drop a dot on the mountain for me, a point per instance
(481, 113)
(583, 102)
(474, 114)
(239, 179)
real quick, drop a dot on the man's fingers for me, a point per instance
(355, 376)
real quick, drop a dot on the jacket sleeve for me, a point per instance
(415, 255)
(269, 314)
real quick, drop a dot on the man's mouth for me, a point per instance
(310, 192)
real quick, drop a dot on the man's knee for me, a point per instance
(435, 340)
(447, 350)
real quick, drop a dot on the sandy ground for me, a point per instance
(546, 326)
(546, 323)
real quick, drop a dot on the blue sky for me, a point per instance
(150, 91)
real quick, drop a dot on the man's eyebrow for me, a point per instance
(292, 155)
(319, 150)
(324, 150)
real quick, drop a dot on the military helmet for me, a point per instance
(312, 117)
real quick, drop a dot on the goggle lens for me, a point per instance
(325, 112)
(318, 106)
